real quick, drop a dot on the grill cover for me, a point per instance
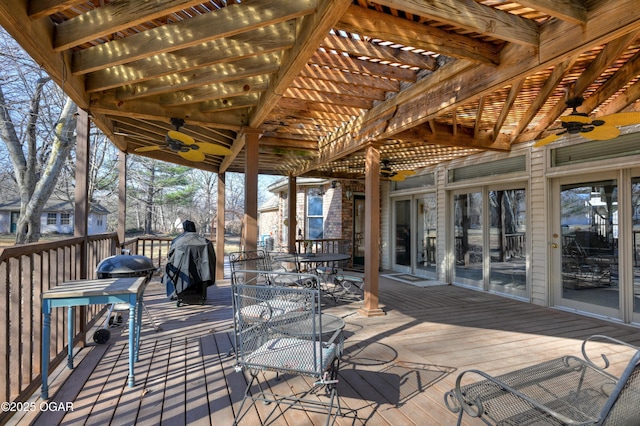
(125, 265)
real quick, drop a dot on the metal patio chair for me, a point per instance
(269, 336)
(564, 391)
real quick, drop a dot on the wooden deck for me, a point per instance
(395, 370)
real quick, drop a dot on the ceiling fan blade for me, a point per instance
(179, 136)
(575, 119)
(548, 139)
(601, 133)
(213, 149)
(397, 178)
(148, 148)
(406, 173)
(192, 155)
(621, 119)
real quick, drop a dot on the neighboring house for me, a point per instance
(321, 211)
(57, 217)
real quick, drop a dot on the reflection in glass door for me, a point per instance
(589, 246)
(507, 242)
(402, 253)
(427, 228)
(635, 217)
(468, 238)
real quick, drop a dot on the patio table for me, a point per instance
(323, 324)
(92, 292)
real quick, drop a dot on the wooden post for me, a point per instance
(222, 180)
(122, 196)
(291, 214)
(81, 217)
(372, 234)
(252, 137)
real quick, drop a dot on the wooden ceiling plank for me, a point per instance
(226, 22)
(604, 59)
(556, 77)
(472, 16)
(314, 28)
(351, 64)
(252, 43)
(218, 73)
(384, 53)
(149, 109)
(518, 61)
(322, 73)
(217, 105)
(329, 98)
(209, 92)
(623, 100)
(389, 28)
(305, 105)
(43, 8)
(624, 74)
(333, 87)
(416, 105)
(111, 18)
(573, 11)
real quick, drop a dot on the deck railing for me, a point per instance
(30, 269)
(25, 272)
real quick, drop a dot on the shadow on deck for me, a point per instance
(395, 369)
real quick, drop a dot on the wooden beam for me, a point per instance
(459, 137)
(111, 18)
(398, 30)
(472, 16)
(251, 43)
(514, 91)
(225, 22)
(574, 11)
(42, 8)
(323, 86)
(241, 87)
(314, 28)
(251, 189)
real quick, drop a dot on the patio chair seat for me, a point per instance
(292, 354)
(267, 310)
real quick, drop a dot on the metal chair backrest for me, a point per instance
(249, 260)
(623, 406)
(276, 330)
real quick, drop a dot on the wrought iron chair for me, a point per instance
(278, 329)
(255, 260)
(564, 391)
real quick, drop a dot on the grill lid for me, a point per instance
(125, 264)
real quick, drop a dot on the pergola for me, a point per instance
(328, 88)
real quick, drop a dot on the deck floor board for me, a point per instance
(395, 369)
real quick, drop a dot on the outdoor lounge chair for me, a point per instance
(269, 337)
(564, 391)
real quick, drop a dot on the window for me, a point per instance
(315, 221)
(100, 220)
(64, 218)
(52, 218)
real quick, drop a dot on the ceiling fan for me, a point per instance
(185, 146)
(397, 176)
(602, 128)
